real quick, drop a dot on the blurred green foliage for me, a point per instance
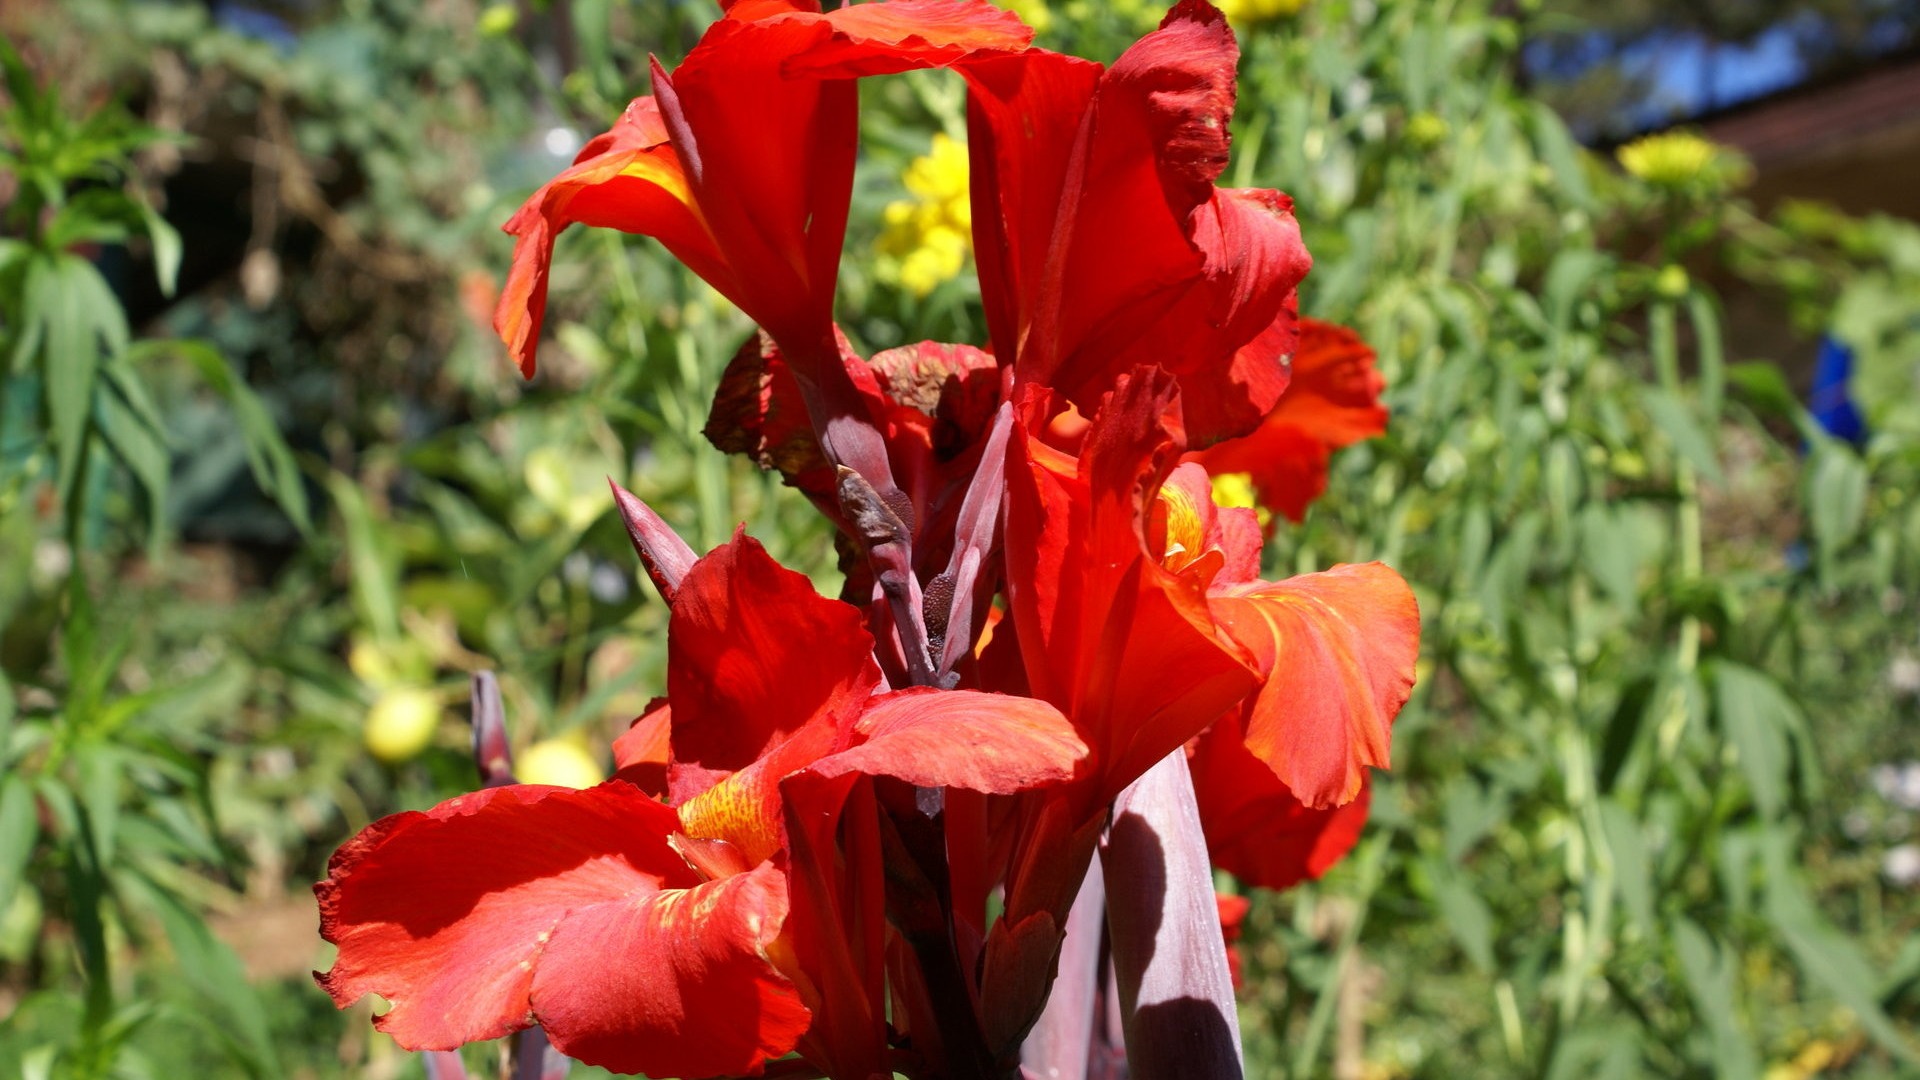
(1627, 832)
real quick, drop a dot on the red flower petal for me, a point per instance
(906, 35)
(991, 743)
(742, 161)
(1256, 830)
(629, 179)
(1333, 401)
(679, 986)
(1338, 650)
(1102, 241)
(520, 905)
(1126, 648)
(1023, 116)
(754, 655)
(641, 752)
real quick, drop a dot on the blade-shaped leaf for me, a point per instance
(19, 828)
(1711, 978)
(269, 458)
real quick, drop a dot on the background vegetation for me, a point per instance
(269, 491)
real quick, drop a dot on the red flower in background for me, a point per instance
(701, 938)
(1332, 401)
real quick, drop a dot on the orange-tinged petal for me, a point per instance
(905, 35)
(995, 744)
(630, 179)
(1127, 648)
(1337, 649)
(520, 905)
(1332, 401)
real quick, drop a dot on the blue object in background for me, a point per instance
(1831, 401)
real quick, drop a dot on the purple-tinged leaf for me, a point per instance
(491, 753)
(443, 1065)
(666, 556)
(536, 1059)
(1169, 957)
(876, 521)
(973, 539)
(1058, 1047)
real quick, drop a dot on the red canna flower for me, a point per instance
(741, 162)
(1332, 401)
(701, 938)
(1137, 314)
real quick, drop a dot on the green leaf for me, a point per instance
(1560, 153)
(1567, 280)
(19, 828)
(143, 449)
(1470, 813)
(1704, 314)
(1827, 955)
(269, 458)
(1632, 869)
(1678, 423)
(8, 709)
(1623, 727)
(1466, 915)
(212, 970)
(1756, 717)
(68, 361)
(375, 566)
(166, 248)
(1836, 495)
(1611, 551)
(98, 766)
(1765, 387)
(1712, 980)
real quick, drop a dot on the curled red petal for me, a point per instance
(1337, 650)
(641, 752)
(1256, 830)
(1332, 401)
(1024, 115)
(453, 916)
(630, 178)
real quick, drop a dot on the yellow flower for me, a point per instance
(560, 762)
(1680, 159)
(1244, 12)
(1426, 130)
(927, 237)
(498, 20)
(401, 723)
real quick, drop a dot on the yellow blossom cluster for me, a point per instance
(928, 236)
(1245, 12)
(1680, 159)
